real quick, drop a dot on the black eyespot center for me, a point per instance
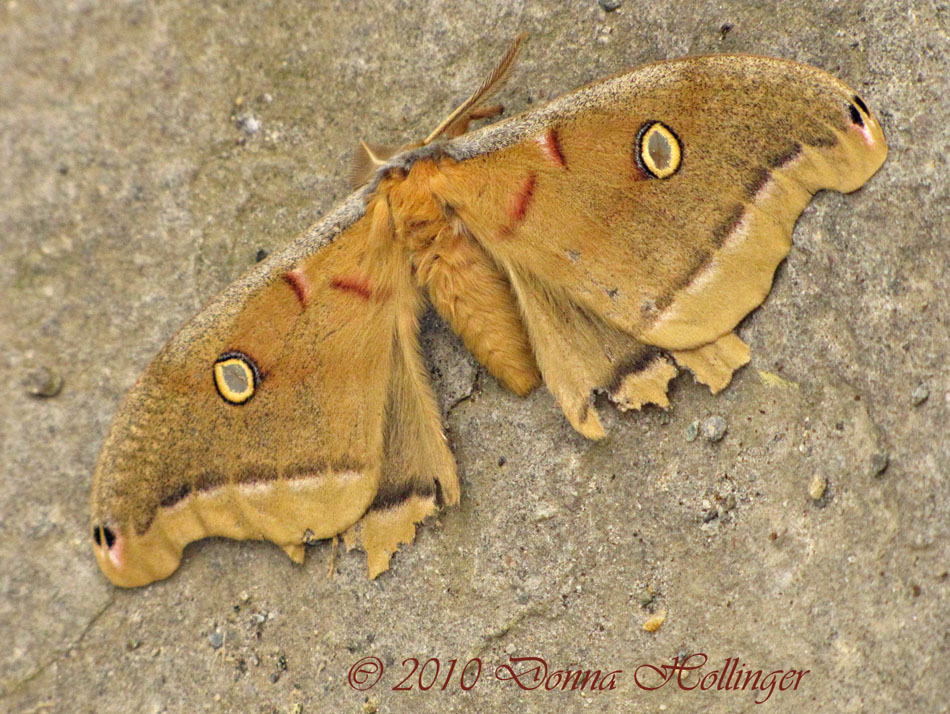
(855, 115)
(103, 534)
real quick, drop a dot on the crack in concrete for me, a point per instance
(546, 608)
(472, 390)
(18, 686)
(538, 609)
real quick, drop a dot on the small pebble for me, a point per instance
(249, 124)
(879, 462)
(216, 639)
(729, 503)
(609, 5)
(919, 395)
(370, 706)
(544, 512)
(653, 622)
(714, 428)
(647, 596)
(692, 431)
(816, 489)
(43, 382)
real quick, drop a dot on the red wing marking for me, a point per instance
(357, 286)
(521, 200)
(552, 147)
(300, 284)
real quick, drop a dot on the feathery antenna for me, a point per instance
(465, 111)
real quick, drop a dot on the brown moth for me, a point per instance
(594, 243)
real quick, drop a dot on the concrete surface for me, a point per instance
(150, 149)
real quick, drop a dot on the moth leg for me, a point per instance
(470, 293)
(418, 469)
(713, 364)
(332, 565)
(481, 112)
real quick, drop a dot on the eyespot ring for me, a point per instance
(236, 377)
(658, 150)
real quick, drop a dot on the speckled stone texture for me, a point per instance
(151, 149)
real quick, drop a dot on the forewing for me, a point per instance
(567, 195)
(263, 417)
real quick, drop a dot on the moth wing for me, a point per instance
(265, 417)
(657, 203)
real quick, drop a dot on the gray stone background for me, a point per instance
(150, 149)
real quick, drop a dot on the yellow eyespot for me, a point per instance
(658, 150)
(236, 377)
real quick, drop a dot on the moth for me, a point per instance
(595, 244)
